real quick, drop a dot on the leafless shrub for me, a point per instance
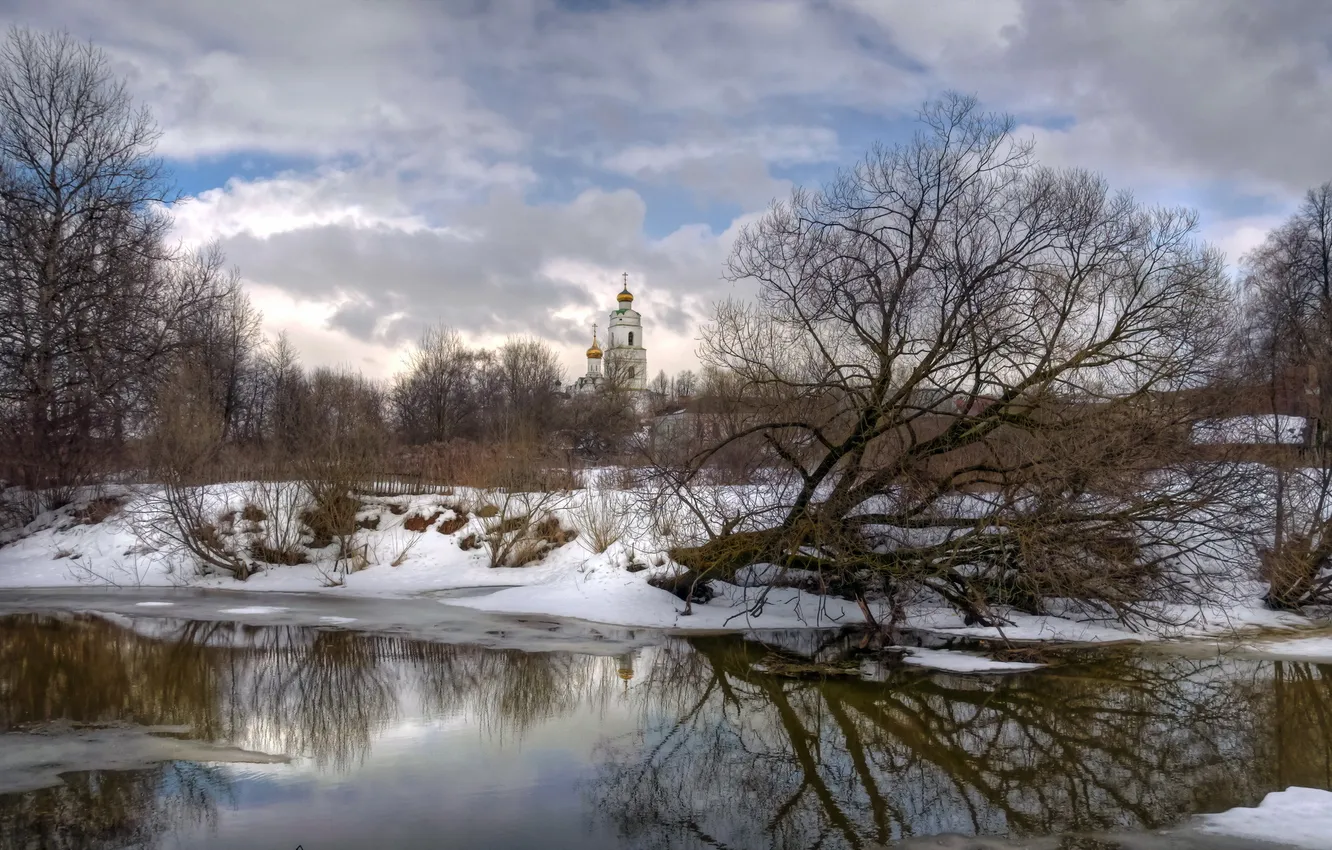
(346, 430)
(601, 518)
(275, 509)
(405, 549)
(180, 515)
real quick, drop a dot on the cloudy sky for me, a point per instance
(373, 166)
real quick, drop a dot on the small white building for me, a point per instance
(625, 356)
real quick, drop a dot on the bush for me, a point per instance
(601, 519)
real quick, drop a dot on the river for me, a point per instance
(132, 725)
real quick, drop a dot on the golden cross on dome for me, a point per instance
(625, 276)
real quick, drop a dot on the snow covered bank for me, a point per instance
(419, 546)
(1301, 817)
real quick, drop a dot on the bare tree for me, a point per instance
(661, 385)
(1289, 340)
(222, 339)
(528, 376)
(433, 397)
(87, 310)
(685, 384)
(282, 396)
(968, 372)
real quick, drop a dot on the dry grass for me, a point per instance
(99, 510)
(286, 557)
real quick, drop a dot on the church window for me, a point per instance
(631, 338)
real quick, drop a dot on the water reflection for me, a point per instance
(723, 753)
(113, 809)
(742, 758)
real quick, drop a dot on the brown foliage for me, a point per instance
(418, 523)
(453, 524)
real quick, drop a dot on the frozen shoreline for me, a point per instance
(572, 583)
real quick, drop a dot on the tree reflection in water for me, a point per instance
(731, 756)
(726, 754)
(314, 694)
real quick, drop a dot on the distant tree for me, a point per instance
(282, 396)
(598, 425)
(661, 385)
(1289, 324)
(434, 398)
(685, 384)
(222, 340)
(528, 375)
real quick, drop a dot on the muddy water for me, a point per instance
(184, 733)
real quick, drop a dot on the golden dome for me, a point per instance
(625, 673)
(624, 297)
(594, 353)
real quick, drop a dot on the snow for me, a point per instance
(608, 595)
(1316, 649)
(35, 759)
(962, 662)
(341, 621)
(1301, 817)
(56, 551)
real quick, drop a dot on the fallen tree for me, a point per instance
(968, 373)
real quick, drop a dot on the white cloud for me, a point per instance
(347, 264)
(427, 130)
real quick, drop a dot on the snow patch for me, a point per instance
(254, 609)
(1296, 649)
(962, 662)
(337, 620)
(35, 759)
(153, 604)
(1298, 816)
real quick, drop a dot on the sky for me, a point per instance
(373, 167)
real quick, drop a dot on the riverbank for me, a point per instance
(423, 547)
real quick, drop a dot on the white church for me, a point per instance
(625, 357)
